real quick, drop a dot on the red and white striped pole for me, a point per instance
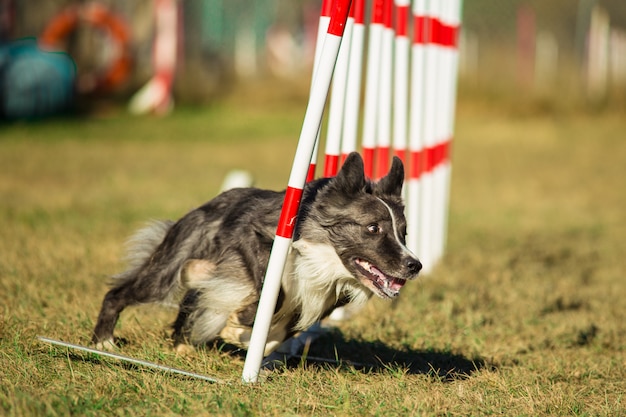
(372, 79)
(338, 101)
(416, 125)
(156, 95)
(451, 26)
(353, 84)
(401, 79)
(385, 85)
(322, 30)
(293, 195)
(431, 91)
(436, 161)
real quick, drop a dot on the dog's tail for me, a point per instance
(141, 245)
(155, 258)
(151, 266)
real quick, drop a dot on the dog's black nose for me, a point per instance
(413, 265)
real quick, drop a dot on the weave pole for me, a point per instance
(439, 40)
(451, 20)
(322, 30)
(419, 73)
(383, 126)
(438, 139)
(293, 195)
(431, 91)
(338, 101)
(353, 83)
(416, 126)
(372, 79)
(441, 24)
(156, 95)
(401, 79)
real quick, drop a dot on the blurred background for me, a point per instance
(556, 53)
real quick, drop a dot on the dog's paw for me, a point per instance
(184, 349)
(107, 345)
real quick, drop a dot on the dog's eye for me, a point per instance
(374, 229)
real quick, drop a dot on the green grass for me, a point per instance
(524, 315)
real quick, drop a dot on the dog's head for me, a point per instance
(364, 222)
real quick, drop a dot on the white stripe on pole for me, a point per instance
(353, 86)
(337, 102)
(416, 125)
(372, 86)
(297, 179)
(383, 132)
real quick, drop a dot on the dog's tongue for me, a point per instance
(388, 282)
(384, 285)
(396, 284)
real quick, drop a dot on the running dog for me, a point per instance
(348, 244)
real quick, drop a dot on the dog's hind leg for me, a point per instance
(199, 275)
(114, 302)
(139, 289)
(149, 284)
(181, 333)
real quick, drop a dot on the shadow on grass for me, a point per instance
(332, 349)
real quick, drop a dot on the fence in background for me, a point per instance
(549, 49)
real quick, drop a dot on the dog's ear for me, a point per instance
(351, 176)
(391, 184)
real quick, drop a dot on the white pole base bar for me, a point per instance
(128, 359)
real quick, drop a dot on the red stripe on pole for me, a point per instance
(327, 8)
(382, 161)
(388, 13)
(415, 165)
(378, 10)
(445, 35)
(446, 149)
(434, 154)
(402, 21)
(338, 17)
(419, 29)
(289, 214)
(427, 159)
(359, 11)
(434, 31)
(438, 155)
(449, 36)
(331, 164)
(310, 174)
(368, 162)
(400, 153)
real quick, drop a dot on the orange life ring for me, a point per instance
(100, 17)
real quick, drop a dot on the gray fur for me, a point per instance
(348, 245)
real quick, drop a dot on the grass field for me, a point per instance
(524, 316)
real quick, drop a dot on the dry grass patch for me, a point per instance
(524, 316)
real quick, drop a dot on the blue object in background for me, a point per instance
(34, 83)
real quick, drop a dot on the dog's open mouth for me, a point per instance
(382, 285)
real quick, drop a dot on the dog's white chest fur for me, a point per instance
(318, 280)
(313, 280)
